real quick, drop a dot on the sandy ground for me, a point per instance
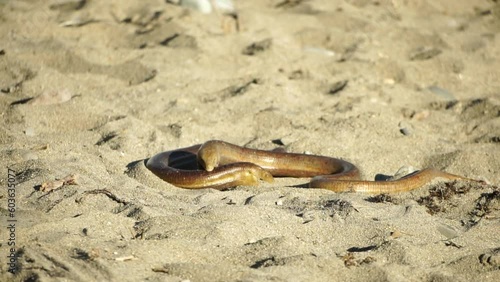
(93, 88)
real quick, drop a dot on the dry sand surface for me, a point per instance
(93, 88)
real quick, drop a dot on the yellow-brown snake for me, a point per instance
(220, 165)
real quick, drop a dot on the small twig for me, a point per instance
(102, 191)
(125, 258)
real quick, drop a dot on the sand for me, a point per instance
(93, 88)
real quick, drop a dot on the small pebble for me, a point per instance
(258, 47)
(447, 231)
(67, 5)
(30, 156)
(389, 81)
(202, 6)
(424, 53)
(29, 131)
(205, 6)
(337, 86)
(443, 93)
(279, 202)
(308, 216)
(403, 171)
(405, 128)
(76, 20)
(396, 234)
(421, 115)
(405, 131)
(319, 51)
(49, 97)
(224, 6)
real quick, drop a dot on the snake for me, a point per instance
(221, 165)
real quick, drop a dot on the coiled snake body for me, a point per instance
(220, 165)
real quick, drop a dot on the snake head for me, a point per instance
(262, 174)
(252, 176)
(208, 157)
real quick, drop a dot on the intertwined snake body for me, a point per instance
(220, 165)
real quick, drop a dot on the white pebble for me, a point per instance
(447, 231)
(205, 6)
(30, 156)
(29, 131)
